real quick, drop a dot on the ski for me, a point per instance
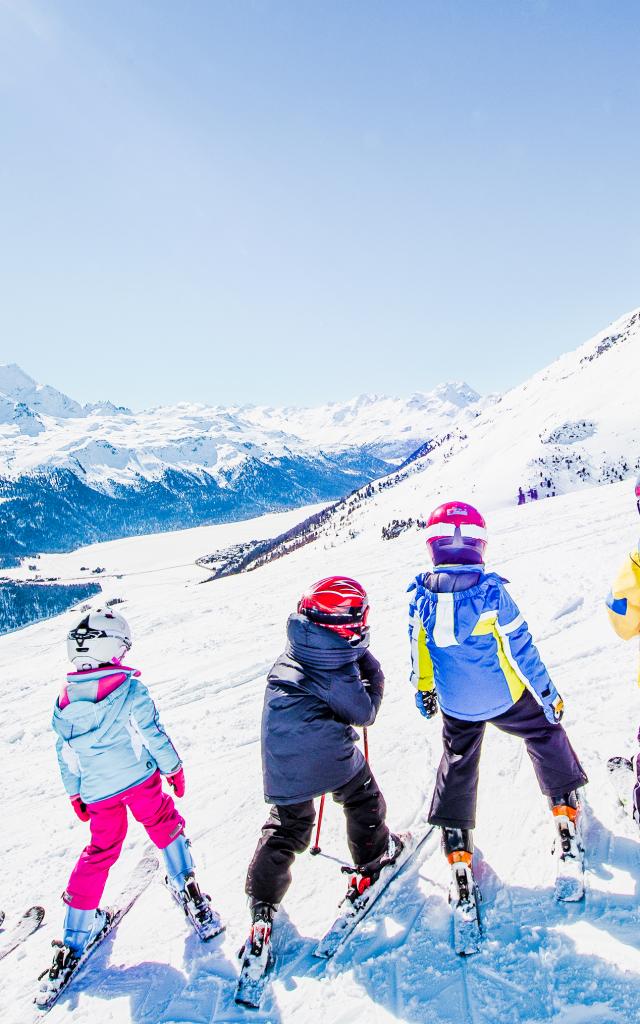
(257, 962)
(623, 780)
(21, 930)
(464, 897)
(66, 966)
(356, 911)
(569, 885)
(205, 921)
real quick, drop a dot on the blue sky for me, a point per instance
(290, 201)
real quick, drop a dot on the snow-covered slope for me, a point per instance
(204, 651)
(573, 425)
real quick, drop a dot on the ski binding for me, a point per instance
(257, 961)
(206, 922)
(360, 906)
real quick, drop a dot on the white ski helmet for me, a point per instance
(101, 637)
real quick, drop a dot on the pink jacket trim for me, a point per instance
(104, 686)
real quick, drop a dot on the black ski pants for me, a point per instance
(289, 828)
(555, 763)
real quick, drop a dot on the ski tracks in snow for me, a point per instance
(537, 962)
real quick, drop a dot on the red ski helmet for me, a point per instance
(456, 534)
(339, 603)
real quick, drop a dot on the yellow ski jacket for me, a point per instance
(623, 601)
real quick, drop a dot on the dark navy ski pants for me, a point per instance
(556, 765)
(289, 827)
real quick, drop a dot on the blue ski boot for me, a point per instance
(181, 882)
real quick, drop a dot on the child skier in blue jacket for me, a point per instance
(473, 657)
(113, 752)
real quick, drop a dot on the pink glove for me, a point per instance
(176, 781)
(80, 808)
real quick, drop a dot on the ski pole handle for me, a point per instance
(315, 849)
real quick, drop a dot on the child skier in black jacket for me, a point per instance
(324, 683)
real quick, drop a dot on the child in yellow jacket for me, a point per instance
(623, 606)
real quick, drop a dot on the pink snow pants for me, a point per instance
(150, 806)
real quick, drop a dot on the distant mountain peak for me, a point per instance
(13, 379)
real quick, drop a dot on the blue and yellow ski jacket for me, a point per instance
(472, 644)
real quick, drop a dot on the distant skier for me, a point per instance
(521, 496)
(623, 604)
(472, 656)
(112, 752)
(325, 682)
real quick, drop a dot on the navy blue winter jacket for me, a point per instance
(315, 694)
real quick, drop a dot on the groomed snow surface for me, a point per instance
(204, 650)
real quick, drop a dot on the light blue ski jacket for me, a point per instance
(109, 734)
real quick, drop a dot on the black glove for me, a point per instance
(427, 702)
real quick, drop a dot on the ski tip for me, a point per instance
(36, 913)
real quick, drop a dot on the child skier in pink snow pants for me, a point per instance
(149, 805)
(113, 752)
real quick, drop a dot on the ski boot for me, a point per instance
(182, 884)
(568, 847)
(464, 894)
(458, 847)
(365, 875)
(82, 929)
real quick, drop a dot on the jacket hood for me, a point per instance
(319, 647)
(93, 684)
(90, 700)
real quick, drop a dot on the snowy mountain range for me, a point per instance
(70, 474)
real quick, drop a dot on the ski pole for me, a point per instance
(365, 733)
(315, 849)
